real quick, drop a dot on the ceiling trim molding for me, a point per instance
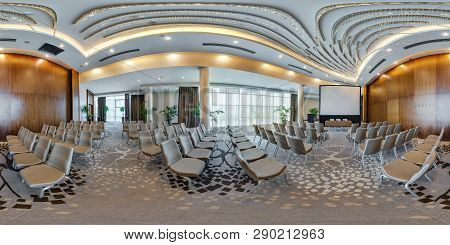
(198, 59)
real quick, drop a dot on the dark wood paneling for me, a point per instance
(136, 101)
(414, 93)
(33, 91)
(75, 95)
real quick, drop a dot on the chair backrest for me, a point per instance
(194, 136)
(145, 139)
(186, 144)
(245, 166)
(378, 124)
(389, 142)
(62, 125)
(72, 136)
(431, 158)
(159, 135)
(296, 145)
(69, 126)
(364, 125)
(170, 151)
(200, 132)
(203, 127)
(290, 130)
(370, 125)
(51, 132)
(270, 137)
(125, 126)
(372, 133)
(401, 138)
(183, 127)
(410, 135)
(382, 131)
(165, 124)
(276, 127)
(171, 132)
(385, 123)
(23, 136)
(178, 129)
(390, 130)
(255, 127)
(320, 128)
(360, 134)
(61, 158)
(42, 148)
(282, 128)
(311, 134)
(310, 125)
(302, 124)
(373, 146)
(416, 132)
(44, 129)
(141, 126)
(442, 133)
(299, 133)
(398, 128)
(60, 133)
(86, 127)
(85, 138)
(144, 127)
(281, 140)
(132, 128)
(21, 130)
(29, 141)
(262, 132)
(353, 128)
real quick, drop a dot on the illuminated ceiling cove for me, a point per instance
(338, 41)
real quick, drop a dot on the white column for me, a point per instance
(149, 104)
(204, 95)
(300, 105)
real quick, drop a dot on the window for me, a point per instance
(114, 103)
(245, 106)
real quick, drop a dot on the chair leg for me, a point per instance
(139, 155)
(276, 151)
(289, 156)
(395, 152)
(409, 190)
(428, 178)
(267, 145)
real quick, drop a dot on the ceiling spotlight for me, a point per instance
(235, 41)
(389, 49)
(167, 38)
(61, 45)
(138, 81)
(86, 63)
(1, 49)
(223, 57)
(46, 55)
(129, 62)
(111, 50)
(378, 74)
(40, 61)
(173, 56)
(291, 73)
(182, 77)
(445, 34)
(304, 67)
(280, 56)
(326, 75)
(395, 62)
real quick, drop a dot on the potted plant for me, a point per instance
(196, 112)
(169, 113)
(143, 110)
(283, 112)
(85, 111)
(213, 115)
(122, 109)
(105, 111)
(312, 114)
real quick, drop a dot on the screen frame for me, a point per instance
(353, 118)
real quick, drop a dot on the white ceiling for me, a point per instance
(335, 40)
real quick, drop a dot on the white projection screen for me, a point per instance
(340, 100)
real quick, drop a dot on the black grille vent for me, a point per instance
(296, 67)
(229, 46)
(427, 42)
(120, 53)
(8, 40)
(343, 82)
(52, 49)
(377, 65)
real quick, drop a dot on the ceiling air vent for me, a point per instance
(377, 65)
(8, 40)
(119, 53)
(343, 82)
(52, 49)
(302, 69)
(229, 46)
(427, 42)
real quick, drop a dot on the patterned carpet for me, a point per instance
(332, 188)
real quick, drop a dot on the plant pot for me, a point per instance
(123, 119)
(311, 118)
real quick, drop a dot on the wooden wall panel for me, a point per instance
(75, 95)
(414, 93)
(33, 91)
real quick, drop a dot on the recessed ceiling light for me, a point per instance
(61, 45)
(129, 62)
(182, 77)
(280, 56)
(1, 48)
(326, 75)
(111, 50)
(46, 55)
(378, 74)
(167, 38)
(291, 73)
(40, 61)
(389, 49)
(138, 81)
(86, 63)
(173, 56)
(445, 34)
(395, 62)
(235, 41)
(223, 57)
(304, 67)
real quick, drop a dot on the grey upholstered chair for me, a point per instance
(364, 125)
(183, 127)
(263, 169)
(86, 127)
(371, 147)
(359, 137)
(191, 152)
(282, 143)
(171, 133)
(302, 125)
(51, 132)
(382, 131)
(400, 141)
(431, 139)
(282, 128)
(257, 133)
(26, 148)
(43, 131)
(60, 135)
(84, 146)
(132, 132)
(250, 155)
(62, 125)
(270, 140)
(178, 129)
(198, 143)
(390, 130)
(158, 133)
(352, 130)
(299, 148)
(378, 124)
(39, 155)
(276, 127)
(203, 137)
(407, 172)
(300, 133)
(398, 128)
(370, 125)
(372, 133)
(409, 138)
(263, 134)
(387, 145)
(184, 167)
(415, 139)
(419, 157)
(290, 130)
(56, 169)
(15, 137)
(146, 145)
(71, 138)
(428, 144)
(385, 123)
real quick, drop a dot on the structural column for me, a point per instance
(300, 105)
(204, 95)
(149, 104)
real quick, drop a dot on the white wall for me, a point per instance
(309, 104)
(83, 99)
(160, 100)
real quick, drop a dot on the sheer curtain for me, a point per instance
(245, 106)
